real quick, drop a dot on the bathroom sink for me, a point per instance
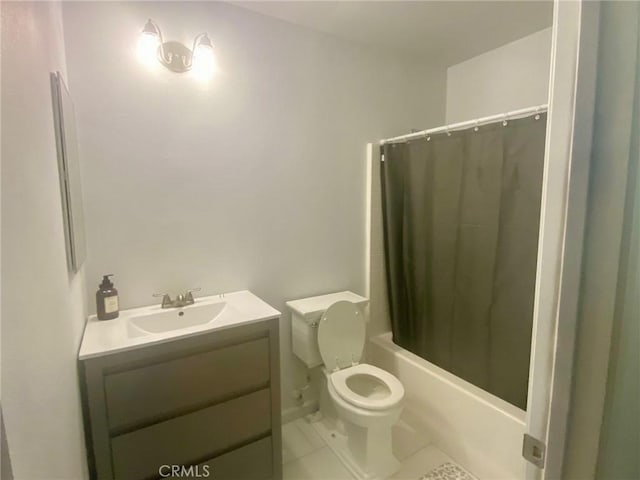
(174, 318)
(144, 326)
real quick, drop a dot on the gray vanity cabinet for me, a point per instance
(209, 402)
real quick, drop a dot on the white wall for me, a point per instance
(255, 180)
(42, 305)
(513, 76)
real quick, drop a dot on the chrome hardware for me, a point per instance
(166, 299)
(188, 295)
(182, 300)
(533, 450)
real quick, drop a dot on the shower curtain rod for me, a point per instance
(469, 123)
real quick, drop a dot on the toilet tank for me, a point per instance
(305, 316)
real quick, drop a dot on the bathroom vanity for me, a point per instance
(195, 388)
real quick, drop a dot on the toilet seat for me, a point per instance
(380, 400)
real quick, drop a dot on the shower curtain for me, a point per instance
(461, 212)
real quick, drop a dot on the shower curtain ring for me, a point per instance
(504, 121)
(475, 129)
(537, 117)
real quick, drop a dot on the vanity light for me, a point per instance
(204, 60)
(149, 43)
(174, 55)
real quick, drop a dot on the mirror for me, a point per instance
(69, 171)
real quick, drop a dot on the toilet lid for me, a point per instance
(341, 335)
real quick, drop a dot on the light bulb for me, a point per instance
(204, 60)
(148, 48)
(148, 44)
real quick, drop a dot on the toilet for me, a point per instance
(329, 330)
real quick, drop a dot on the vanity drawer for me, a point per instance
(151, 392)
(189, 439)
(251, 462)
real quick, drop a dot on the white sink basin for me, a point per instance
(174, 318)
(143, 326)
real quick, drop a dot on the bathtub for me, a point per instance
(480, 431)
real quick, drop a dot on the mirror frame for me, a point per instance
(69, 172)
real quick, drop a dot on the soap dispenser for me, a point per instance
(107, 300)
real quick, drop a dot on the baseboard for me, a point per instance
(291, 413)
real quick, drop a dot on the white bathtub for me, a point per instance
(480, 431)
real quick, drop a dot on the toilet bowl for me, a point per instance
(366, 395)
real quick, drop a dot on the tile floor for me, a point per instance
(306, 456)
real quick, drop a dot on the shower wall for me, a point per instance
(513, 76)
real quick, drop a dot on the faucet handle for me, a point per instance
(166, 298)
(188, 295)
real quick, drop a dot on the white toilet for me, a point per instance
(329, 330)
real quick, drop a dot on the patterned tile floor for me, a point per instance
(448, 471)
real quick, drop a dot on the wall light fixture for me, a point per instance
(174, 55)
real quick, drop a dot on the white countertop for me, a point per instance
(102, 337)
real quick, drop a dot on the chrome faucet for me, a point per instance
(182, 300)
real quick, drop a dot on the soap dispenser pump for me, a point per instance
(107, 300)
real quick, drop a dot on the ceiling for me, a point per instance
(446, 32)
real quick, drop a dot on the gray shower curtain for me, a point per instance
(461, 213)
